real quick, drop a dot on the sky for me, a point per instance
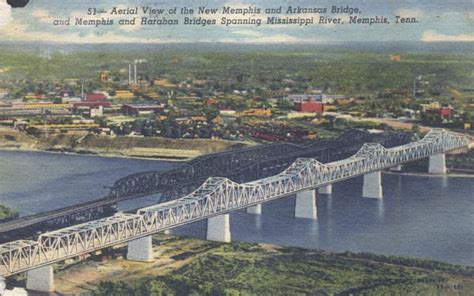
(438, 21)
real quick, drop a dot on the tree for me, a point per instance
(156, 288)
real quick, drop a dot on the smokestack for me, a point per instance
(129, 74)
(136, 82)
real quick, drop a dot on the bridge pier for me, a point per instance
(140, 249)
(305, 206)
(325, 189)
(218, 228)
(256, 210)
(437, 164)
(372, 185)
(40, 279)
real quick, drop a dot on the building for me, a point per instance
(433, 105)
(95, 97)
(141, 109)
(443, 112)
(211, 102)
(34, 96)
(164, 83)
(395, 57)
(331, 99)
(302, 98)
(344, 101)
(90, 109)
(227, 112)
(124, 95)
(25, 109)
(97, 112)
(151, 95)
(309, 106)
(260, 112)
(328, 108)
(294, 115)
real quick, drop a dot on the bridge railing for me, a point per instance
(216, 196)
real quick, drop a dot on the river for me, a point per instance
(422, 216)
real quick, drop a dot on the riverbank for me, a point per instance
(7, 214)
(109, 146)
(196, 267)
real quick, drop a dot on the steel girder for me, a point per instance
(247, 164)
(216, 196)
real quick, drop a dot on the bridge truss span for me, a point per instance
(218, 195)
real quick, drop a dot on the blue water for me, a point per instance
(421, 216)
(32, 182)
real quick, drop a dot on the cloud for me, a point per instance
(260, 38)
(409, 12)
(5, 14)
(249, 33)
(432, 36)
(43, 16)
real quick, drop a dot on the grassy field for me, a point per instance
(196, 267)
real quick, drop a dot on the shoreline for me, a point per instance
(93, 154)
(181, 160)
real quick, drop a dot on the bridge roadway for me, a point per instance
(241, 165)
(216, 197)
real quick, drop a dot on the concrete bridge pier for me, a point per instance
(218, 228)
(437, 164)
(305, 206)
(256, 210)
(140, 249)
(40, 279)
(325, 189)
(372, 185)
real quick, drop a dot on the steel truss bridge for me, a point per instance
(247, 164)
(217, 196)
(239, 165)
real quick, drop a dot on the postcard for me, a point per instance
(236, 147)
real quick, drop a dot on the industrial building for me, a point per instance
(309, 106)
